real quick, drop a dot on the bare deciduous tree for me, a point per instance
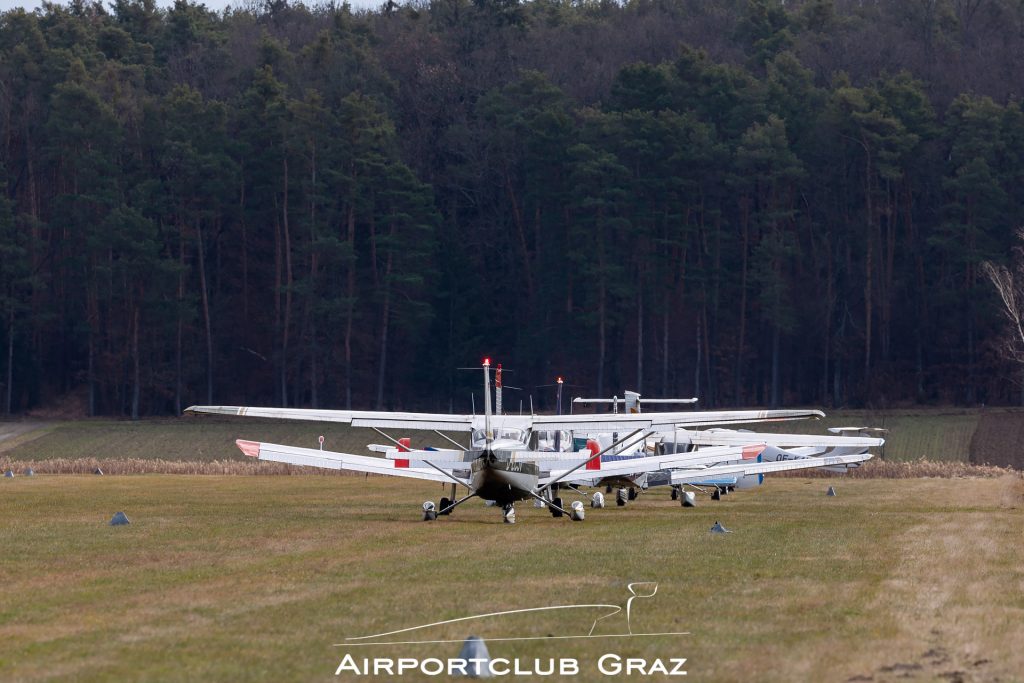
(1009, 283)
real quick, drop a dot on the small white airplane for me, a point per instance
(499, 464)
(681, 440)
(813, 449)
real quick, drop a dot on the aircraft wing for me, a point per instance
(743, 469)
(716, 437)
(623, 422)
(311, 457)
(356, 418)
(615, 465)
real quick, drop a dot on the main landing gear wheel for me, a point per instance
(509, 515)
(621, 497)
(675, 493)
(429, 511)
(633, 494)
(555, 504)
(444, 504)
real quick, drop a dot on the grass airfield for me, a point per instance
(257, 578)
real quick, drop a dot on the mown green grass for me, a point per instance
(187, 438)
(256, 579)
(941, 435)
(934, 434)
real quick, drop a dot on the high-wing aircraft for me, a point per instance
(812, 449)
(499, 464)
(853, 441)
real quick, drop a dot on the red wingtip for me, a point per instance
(250, 448)
(751, 452)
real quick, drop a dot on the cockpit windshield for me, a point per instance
(479, 437)
(552, 440)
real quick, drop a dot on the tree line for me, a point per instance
(749, 201)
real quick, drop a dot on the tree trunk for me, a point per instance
(10, 362)
(91, 372)
(206, 313)
(829, 313)
(384, 326)
(868, 262)
(517, 218)
(287, 320)
(350, 304)
(180, 330)
(775, 366)
(640, 340)
(742, 336)
(664, 354)
(313, 267)
(601, 342)
(696, 365)
(245, 251)
(136, 375)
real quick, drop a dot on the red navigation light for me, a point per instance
(560, 380)
(487, 362)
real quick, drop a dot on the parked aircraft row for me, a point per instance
(512, 458)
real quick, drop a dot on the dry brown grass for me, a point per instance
(158, 466)
(873, 469)
(914, 469)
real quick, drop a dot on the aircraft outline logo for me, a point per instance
(616, 609)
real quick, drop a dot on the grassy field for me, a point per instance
(187, 438)
(257, 578)
(939, 435)
(935, 434)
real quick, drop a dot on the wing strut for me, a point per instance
(550, 504)
(592, 458)
(451, 440)
(449, 475)
(458, 502)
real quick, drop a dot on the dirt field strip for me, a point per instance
(15, 434)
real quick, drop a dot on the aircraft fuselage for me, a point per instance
(503, 480)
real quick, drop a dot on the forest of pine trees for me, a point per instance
(750, 201)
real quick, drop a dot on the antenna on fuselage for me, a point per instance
(497, 391)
